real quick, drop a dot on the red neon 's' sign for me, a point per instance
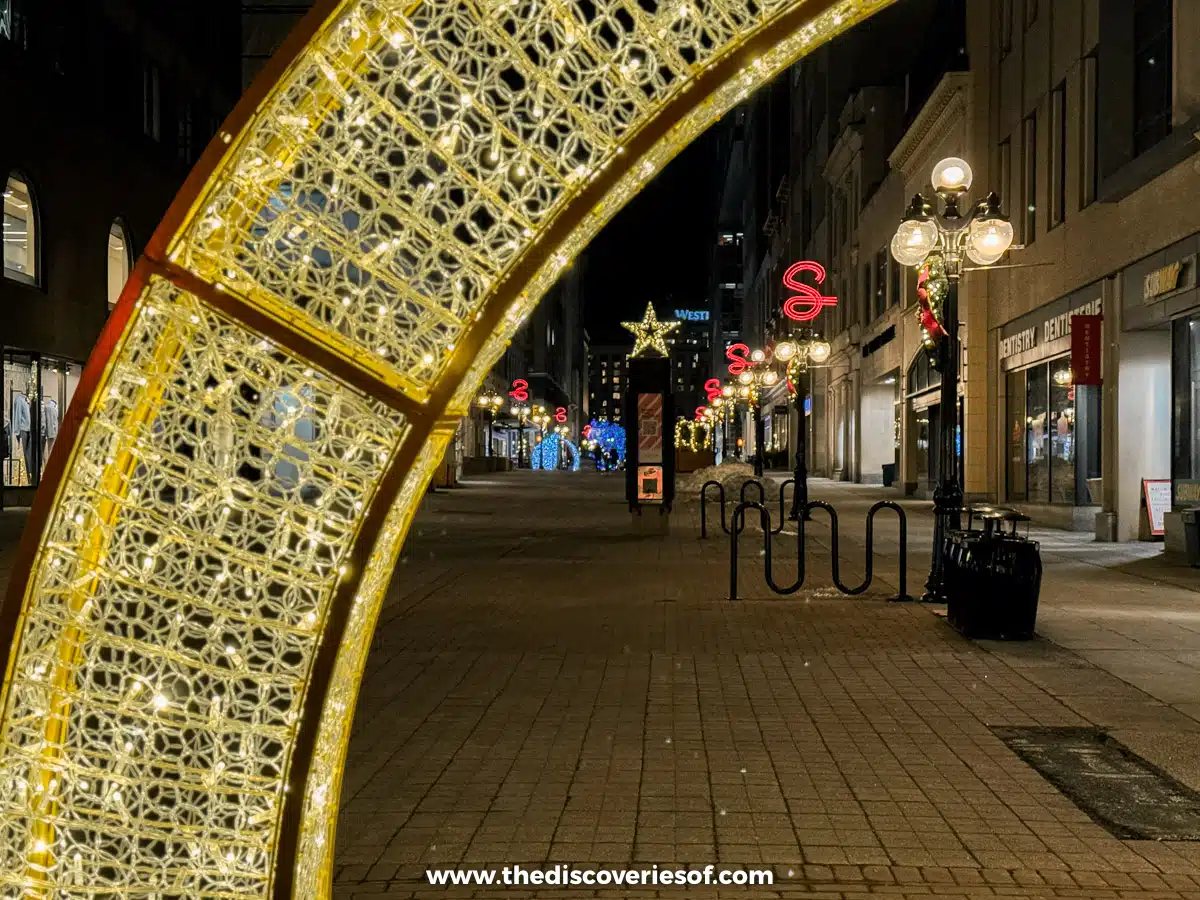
(520, 390)
(700, 413)
(712, 387)
(807, 303)
(560, 414)
(738, 354)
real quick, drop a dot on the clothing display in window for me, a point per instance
(49, 426)
(20, 428)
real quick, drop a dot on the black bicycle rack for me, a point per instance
(738, 525)
(742, 498)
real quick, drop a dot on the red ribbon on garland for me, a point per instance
(929, 320)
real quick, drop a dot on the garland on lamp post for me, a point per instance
(936, 243)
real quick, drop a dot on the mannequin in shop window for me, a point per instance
(20, 428)
(49, 426)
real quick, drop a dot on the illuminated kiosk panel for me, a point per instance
(190, 613)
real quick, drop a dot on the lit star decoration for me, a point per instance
(650, 333)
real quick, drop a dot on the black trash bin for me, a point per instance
(993, 577)
(889, 474)
(1191, 535)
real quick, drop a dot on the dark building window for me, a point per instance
(1087, 131)
(151, 102)
(14, 24)
(120, 258)
(186, 146)
(1029, 180)
(1152, 34)
(894, 269)
(881, 283)
(1004, 168)
(20, 231)
(1006, 26)
(1058, 155)
(1031, 9)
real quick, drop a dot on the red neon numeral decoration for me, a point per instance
(738, 355)
(520, 390)
(712, 387)
(807, 303)
(560, 414)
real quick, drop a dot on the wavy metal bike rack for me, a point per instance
(742, 498)
(739, 515)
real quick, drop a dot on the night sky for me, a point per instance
(657, 247)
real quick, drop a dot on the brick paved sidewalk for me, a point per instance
(545, 689)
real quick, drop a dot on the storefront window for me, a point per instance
(1185, 377)
(1061, 424)
(1053, 439)
(1089, 489)
(20, 420)
(1037, 437)
(37, 391)
(58, 382)
(1016, 436)
(922, 445)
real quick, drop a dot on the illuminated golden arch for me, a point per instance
(194, 599)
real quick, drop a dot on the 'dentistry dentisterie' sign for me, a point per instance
(1044, 332)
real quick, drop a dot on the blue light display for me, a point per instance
(609, 437)
(548, 454)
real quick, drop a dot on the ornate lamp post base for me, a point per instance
(947, 503)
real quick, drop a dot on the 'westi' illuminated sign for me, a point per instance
(691, 315)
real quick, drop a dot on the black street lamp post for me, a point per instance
(490, 402)
(938, 242)
(797, 352)
(800, 472)
(522, 414)
(756, 376)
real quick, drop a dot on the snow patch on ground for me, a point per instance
(731, 475)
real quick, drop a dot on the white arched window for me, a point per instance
(20, 231)
(119, 259)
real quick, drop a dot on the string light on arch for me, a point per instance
(313, 236)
